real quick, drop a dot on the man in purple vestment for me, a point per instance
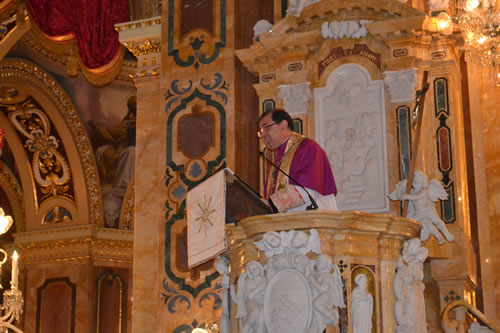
(302, 158)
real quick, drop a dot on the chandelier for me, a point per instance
(13, 301)
(479, 21)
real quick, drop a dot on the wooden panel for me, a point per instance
(55, 312)
(247, 103)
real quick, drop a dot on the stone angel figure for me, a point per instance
(252, 286)
(328, 294)
(421, 206)
(221, 266)
(408, 287)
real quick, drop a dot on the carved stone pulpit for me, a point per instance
(292, 254)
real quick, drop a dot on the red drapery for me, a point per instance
(89, 22)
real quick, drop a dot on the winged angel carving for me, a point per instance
(422, 197)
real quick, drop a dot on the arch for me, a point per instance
(32, 81)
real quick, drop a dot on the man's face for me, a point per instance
(271, 133)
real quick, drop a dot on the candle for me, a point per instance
(15, 271)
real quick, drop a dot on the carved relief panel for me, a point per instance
(350, 126)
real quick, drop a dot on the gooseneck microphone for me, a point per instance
(313, 205)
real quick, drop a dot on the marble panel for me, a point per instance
(350, 126)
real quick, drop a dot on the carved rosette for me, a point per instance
(401, 85)
(296, 97)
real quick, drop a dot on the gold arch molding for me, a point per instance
(12, 189)
(74, 188)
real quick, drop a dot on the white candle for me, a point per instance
(15, 271)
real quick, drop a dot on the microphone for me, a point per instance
(313, 205)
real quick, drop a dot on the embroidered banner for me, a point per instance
(206, 228)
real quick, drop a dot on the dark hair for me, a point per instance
(278, 115)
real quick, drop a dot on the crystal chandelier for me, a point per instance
(13, 301)
(479, 21)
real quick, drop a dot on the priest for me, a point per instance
(305, 162)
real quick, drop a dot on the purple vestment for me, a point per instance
(310, 167)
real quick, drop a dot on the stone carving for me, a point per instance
(327, 293)
(362, 306)
(299, 294)
(475, 327)
(347, 29)
(274, 243)
(409, 289)
(422, 208)
(261, 27)
(296, 6)
(296, 97)
(250, 298)
(438, 4)
(401, 84)
(350, 126)
(221, 267)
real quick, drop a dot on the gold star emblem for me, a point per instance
(205, 214)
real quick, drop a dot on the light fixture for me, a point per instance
(479, 21)
(13, 301)
(439, 21)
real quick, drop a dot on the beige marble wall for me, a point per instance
(149, 209)
(485, 118)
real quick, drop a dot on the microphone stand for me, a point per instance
(313, 205)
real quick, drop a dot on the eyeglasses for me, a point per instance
(265, 128)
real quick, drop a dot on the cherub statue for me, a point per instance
(409, 288)
(327, 292)
(421, 207)
(252, 286)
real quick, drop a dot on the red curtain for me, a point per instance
(90, 22)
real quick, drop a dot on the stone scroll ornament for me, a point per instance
(409, 289)
(291, 293)
(422, 197)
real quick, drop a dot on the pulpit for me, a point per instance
(294, 253)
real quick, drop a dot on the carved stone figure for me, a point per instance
(261, 27)
(362, 306)
(274, 243)
(296, 6)
(475, 327)
(347, 29)
(327, 291)
(296, 97)
(401, 84)
(409, 288)
(250, 298)
(421, 208)
(222, 268)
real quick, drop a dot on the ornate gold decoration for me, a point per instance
(50, 169)
(137, 24)
(143, 47)
(46, 84)
(7, 8)
(10, 185)
(7, 93)
(127, 217)
(76, 244)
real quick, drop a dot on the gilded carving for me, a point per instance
(10, 184)
(44, 83)
(143, 47)
(50, 169)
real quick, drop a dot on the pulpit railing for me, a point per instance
(462, 322)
